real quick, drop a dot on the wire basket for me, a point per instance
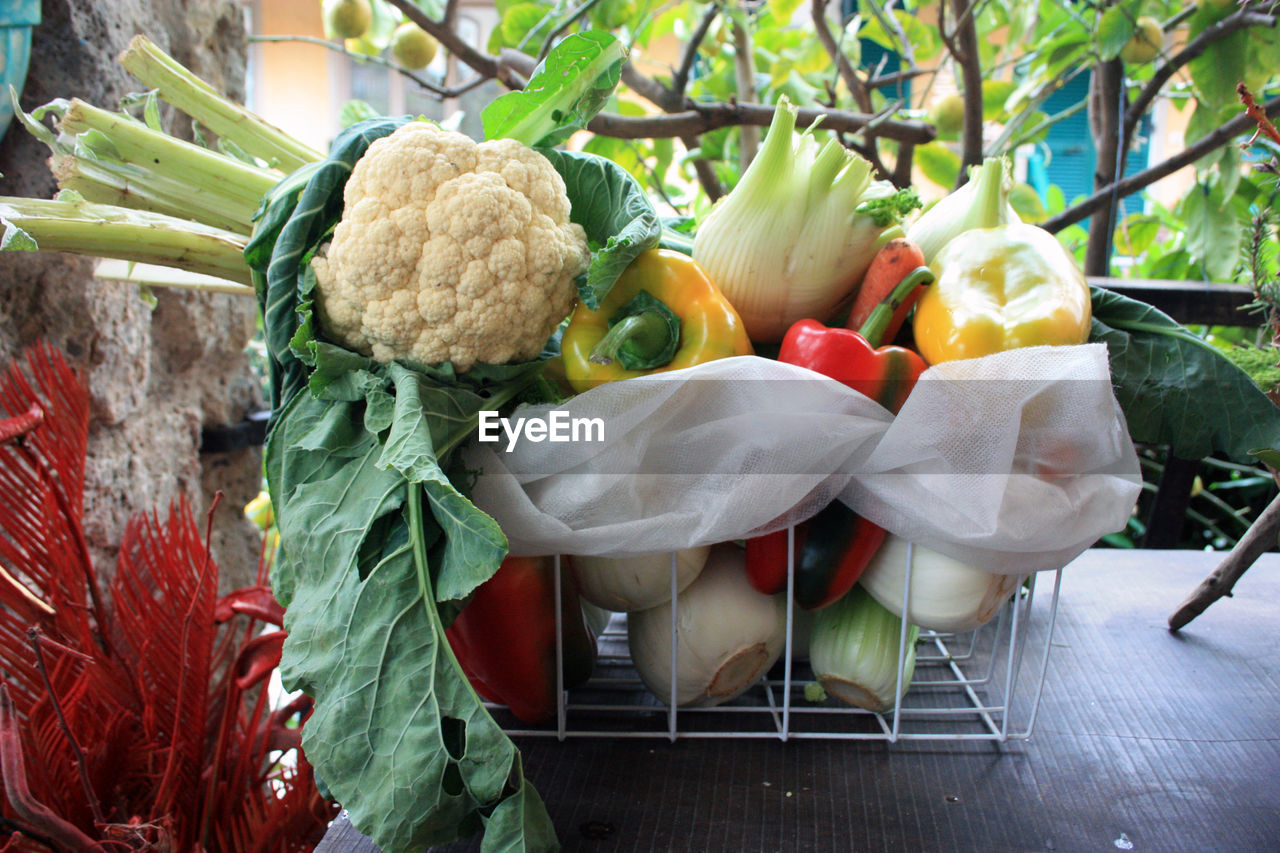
(978, 685)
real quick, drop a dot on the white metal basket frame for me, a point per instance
(944, 652)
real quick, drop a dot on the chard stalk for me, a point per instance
(230, 121)
(110, 158)
(105, 231)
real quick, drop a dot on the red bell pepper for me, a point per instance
(505, 637)
(834, 547)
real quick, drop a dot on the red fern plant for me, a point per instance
(134, 717)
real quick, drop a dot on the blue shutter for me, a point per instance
(1071, 156)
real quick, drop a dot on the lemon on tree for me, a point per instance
(1144, 45)
(947, 114)
(347, 19)
(412, 46)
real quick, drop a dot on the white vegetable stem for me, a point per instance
(727, 635)
(787, 242)
(636, 583)
(983, 202)
(946, 594)
(853, 649)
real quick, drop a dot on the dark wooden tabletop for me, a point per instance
(1145, 741)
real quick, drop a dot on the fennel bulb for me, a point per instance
(636, 583)
(798, 231)
(946, 594)
(853, 650)
(727, 635)
(983, 202)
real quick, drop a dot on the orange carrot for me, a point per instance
(895, 260)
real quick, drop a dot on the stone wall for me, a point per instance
(157, 375)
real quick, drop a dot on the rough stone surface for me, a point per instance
(157, 375)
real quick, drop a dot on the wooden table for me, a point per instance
(1145, 741)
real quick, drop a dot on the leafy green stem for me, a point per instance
(503, 395)
(1162, 329)
(419, 545)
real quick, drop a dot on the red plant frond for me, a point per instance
(46, 577)
(142, 711)
(163, 598)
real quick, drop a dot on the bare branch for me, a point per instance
(1194, 48)
(898, 77)
(846, 70)
(1236, 127)
(1259, 538)
(651, 90)
(1106, 106)
(884, 14)
(706, 117)
(966, 39)
(744, 67)
(577, 13)
(680, 81)
(482, 63)
(434, 88)
(902, 167)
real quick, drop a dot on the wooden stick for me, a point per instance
(1260, 537)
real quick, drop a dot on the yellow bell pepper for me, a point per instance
(999, 289)
(663, 313)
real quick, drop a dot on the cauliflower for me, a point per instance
(449, 250)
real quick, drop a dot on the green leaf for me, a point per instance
(354, 450)
(567, 89)
(923, 38)
(994, 95)
(1205, 119)
(365, 640)
(1136, 234)
(355, 111)
(1223, 64)
(1115, 28)
(939, 164)
(14, 239)
(617, 215)
(525, 23)
(1178, 390)
(783, 11)
(1229, 172)
(1213, 231)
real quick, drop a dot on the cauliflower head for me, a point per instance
(449, 250)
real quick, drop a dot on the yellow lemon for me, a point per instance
(412, 46)
(347, 19)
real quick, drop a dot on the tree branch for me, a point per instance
(680, 81)
(744, 67)
(843, 67)
(966, 40)
(434, 88)
(706, 117)
(1193, 49)
(577, 13)
(1106, 107)
(482, 63)
(1259, 538)
(1127, 187)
